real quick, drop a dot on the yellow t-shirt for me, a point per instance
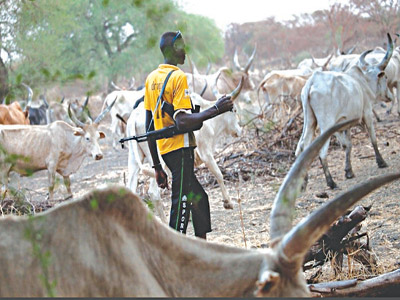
(176, 93)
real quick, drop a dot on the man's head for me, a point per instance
(173, 47)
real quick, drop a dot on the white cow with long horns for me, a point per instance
(57, 147)
(331, 97)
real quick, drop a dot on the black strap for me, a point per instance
(159, 98)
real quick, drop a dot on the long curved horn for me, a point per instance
(192, 69)
(214, 87)
(283, 207)
(115, 86)
(382, 65)
(208, 68)
(237, 90)
(45, 101)
(30, 94)
(73, 118)
(204, 88)
(236, 61)
(362, 58)
(132, 83)
(350, 51)
(250, 61)
(298, 241)
(86, 102)
(325, 65)
(104, 112)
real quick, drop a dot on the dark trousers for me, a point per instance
(187, 193)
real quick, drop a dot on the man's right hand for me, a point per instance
(161, 178)
(224, 104)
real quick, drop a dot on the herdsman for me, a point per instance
(174, 107)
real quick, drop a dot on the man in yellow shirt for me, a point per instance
(178, 151)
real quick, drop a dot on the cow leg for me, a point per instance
(133, 169)
(376, 116)
(379, 160)
(4, 180)
(323, 158)
(52, 177)
(115, 129)
(155, 197)
(67, 183)
(397, 97)
(211, 164)
(345, 140)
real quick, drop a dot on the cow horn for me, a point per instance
(214, 87)
(86, 102)
(115, 86)
(192, 69)
(104, 112)
(30, 95)
(62, 100)
(382, 65)
(299, 240)
(250, 61)
(350, 51)
(283, 207)
(204, 88)
(362, 58)
(74, 119)
(132, 83)
(236, 61)
(325, 65)
(45, 101)
(237, 90)
(208, 68)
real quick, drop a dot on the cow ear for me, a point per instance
(102, 134)
(268, 281)
(78, 133)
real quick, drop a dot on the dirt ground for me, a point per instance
(254, 166)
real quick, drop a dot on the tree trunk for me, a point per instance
(3, 80)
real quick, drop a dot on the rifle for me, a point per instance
(164, 133)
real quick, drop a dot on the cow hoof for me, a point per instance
(228, 204)
(382, 164)
(332, 185)
(349, 174)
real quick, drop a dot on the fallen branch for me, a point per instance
(386, 285)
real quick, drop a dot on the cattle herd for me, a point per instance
(107, 243)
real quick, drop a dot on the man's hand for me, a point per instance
(224, 104)
(161, 178)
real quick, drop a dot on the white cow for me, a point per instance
(331, 97)
(57, 147)
(206, 138)
(228, 79)
(123, 107)
(108, 245)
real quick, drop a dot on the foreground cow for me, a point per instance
(108, 245)
(57, 147)
(331, 97)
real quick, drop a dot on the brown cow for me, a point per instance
(108, 244)
(12, 114)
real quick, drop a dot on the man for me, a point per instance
(178, 151)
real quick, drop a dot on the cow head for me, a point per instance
(231, 122)
(375, 74)
(89, 132)
(243, 72)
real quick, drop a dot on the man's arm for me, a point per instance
(188, 122)
(161, 176)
